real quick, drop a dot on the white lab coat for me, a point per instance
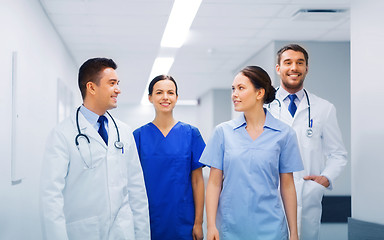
(107, 201)
(323, 154)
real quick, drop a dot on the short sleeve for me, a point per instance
(213, 154)
(198, 146)
(290, 158)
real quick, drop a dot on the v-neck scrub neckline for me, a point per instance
(159, 131)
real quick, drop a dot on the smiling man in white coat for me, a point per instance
(321, 146)
(92, 184)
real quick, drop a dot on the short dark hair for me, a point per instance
(159, 78)
(260, 79)
(294, 47)
(90, 72)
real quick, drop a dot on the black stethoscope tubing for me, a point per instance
(309, 109)
(118, 144)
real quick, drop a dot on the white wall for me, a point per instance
(367, 89)
(266, 59)
(214, 108)
(42, 59)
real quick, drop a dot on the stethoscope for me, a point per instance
(310, 121)
(118, 144)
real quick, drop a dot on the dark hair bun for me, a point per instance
(270, 95)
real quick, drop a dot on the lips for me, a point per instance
(294, 75)
(165, 104)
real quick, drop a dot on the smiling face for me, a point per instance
(245, 96)
(105, 92)
(292, 69)
(163, 96)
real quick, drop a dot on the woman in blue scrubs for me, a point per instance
(169, 152)
(250, 158)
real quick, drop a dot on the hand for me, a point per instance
(197, 232)
(319, 179)
(213, 234)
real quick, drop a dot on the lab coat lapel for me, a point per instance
(301, 109)
(302, 106)
(87, 129)
(112, 132)
(285, 114)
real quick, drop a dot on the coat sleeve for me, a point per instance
(137, 194)
(52, 183)
(333, 148)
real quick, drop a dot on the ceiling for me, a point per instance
(224, 34)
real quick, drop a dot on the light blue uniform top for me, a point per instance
(250, 205)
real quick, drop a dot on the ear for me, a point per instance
(91, 88)
(260, 94)
(150, 98)
(278, 69)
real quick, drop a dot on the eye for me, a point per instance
(241, 87)
(233, 89)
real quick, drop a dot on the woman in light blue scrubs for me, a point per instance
(250, 192)
(169, 152)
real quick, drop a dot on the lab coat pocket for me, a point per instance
(123, 227)
(309, 140)
(84, 229)
(313, 191)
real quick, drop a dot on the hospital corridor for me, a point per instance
(191, 119)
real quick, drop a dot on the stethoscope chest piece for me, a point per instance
(119, 145)
(309, 132)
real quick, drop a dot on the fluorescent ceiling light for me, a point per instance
(162, 65)
(180, 20)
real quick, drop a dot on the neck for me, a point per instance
(164, 121)
(255, 117)
(93, 107)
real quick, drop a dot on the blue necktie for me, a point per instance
(292, 106)
(102, 131)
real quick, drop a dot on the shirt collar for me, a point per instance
(270, 122)
(283, 94)
(90, 116)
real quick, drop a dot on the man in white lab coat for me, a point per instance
(321, 146)
(92, 184)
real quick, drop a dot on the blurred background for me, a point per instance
(202, 44)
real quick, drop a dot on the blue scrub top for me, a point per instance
(167, 164)
(250, 205)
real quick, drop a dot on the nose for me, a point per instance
(234, 93)
(117, 89)
(294, 66)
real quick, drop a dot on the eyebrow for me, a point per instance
(290, 59)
